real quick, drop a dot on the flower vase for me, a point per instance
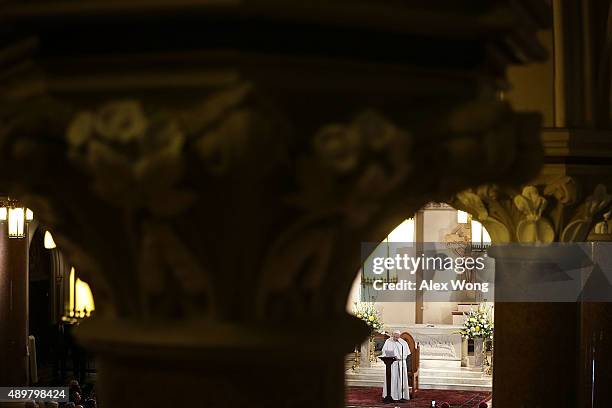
(478, 350)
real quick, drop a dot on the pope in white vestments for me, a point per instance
(397, 347)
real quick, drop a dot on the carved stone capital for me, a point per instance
(551, 209)
(144, 198)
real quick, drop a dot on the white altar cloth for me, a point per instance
(437, 341)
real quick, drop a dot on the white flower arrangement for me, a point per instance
(478, 323)
(368, 313)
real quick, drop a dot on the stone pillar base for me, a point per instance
(201, 365)
(238, 381)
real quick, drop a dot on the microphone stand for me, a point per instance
(402, 368)
(400, 371)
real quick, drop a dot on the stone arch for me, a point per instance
(471, 218)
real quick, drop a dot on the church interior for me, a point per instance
(207, 203)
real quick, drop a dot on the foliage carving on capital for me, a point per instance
(582, 222)
(121, 184)
(539, 213)
(492, 215)
(353, 167)
(133, 160)
(531, 226)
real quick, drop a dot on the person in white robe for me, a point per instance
(397, 347)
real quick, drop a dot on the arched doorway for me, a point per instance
(452, 356)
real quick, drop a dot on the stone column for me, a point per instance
(595, 338)
(13, 309)
(536, 340)
(216, 201)
(533, 341)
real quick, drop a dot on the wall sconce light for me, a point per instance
(48, 241)
(71, 282)
(80, 301)
(16, 223)
(84, 299)
(16, 217)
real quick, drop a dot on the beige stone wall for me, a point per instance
(532, 86)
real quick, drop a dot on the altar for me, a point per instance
(440, 344)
